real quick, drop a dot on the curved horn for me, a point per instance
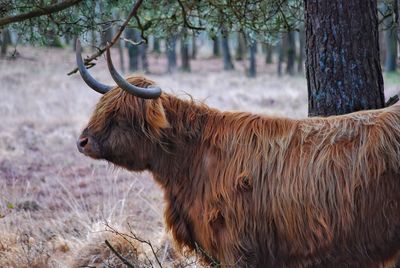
(145, 93)
(90, 81)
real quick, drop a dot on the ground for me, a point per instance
(55, 203)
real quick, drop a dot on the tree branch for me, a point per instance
(141, 29)
(115, 37)
(185, 20)
(124, 261)
(39, 12)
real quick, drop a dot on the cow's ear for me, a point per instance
(155, 116)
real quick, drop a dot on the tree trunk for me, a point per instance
(171, 53)
(252, 58)
(390, 37)
(291, 53)
(391, 49)
(226, 54)
(143, 56)
(106, 34)
(397, 5)
(342, 57)
(268, 53)
(133, 50)
(281, 54)
(194, 47)
(5, 41)
(185, 52)
(216, 52)
(121, 56)
(156, 45)
(241, 46)
(302, 51)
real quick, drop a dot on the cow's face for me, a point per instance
(127, 124)
(124, 129)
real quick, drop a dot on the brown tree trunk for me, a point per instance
(342, 57)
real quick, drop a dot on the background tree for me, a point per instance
(185, 51)
(226, 53)
(291, 52)
(171, 53)
(252, 59)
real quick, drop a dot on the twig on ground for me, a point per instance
(125, 261)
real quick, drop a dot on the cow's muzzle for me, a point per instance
(88, 146)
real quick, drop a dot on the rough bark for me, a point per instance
(342, 57)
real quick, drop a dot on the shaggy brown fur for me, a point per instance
(258, 191)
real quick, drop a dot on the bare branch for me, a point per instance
(141, 29)
(131, 41)
(39, 12)
(185, 21)
(125, 261)
(115, 37)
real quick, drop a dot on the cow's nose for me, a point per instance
(81, 143)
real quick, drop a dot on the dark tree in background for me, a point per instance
(302, 41)
(268, 53)
(156, 45)
(291, 52)
(226, 54)
(194, 47)
(133, 50)
(185, 52)
(281, 54)
(5, 40)
(342, 57)
(252, 59)
(171, 53)
(216, 50)
(390, 36)
(240, 46)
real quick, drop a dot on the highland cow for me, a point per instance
(257, 191)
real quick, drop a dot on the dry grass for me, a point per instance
(54, 202)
